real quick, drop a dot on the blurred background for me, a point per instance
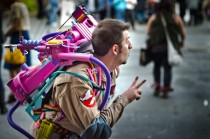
(184, 115)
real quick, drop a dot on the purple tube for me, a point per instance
(24, 66)
(15, 126)
(108, 83)
(53, 35)
(106, 97)
(88, 57)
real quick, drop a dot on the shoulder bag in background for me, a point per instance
(16, 57)
(145, 55)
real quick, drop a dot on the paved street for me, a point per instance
(184, 115)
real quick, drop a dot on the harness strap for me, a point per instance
(79, 76)
(46, 108)
(95, 80)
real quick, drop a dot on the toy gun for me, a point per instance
(56, 50)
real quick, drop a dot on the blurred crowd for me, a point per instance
(140, 10)
(132, 11)
(128, 10)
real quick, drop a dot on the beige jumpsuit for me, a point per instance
(80, 107)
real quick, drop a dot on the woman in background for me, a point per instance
(19, 25)
(158, 42)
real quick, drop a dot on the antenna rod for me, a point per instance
(65, 22)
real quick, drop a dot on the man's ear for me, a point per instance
(115, 49)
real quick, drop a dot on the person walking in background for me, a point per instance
(41, 9)
(119, 7)
(52, 12)
(182, 8)
(3, 108)
(111, 9)
(193, 7)
(19, 25)
(102, 8)
(140, 11)
(158, 43)
(130, 12)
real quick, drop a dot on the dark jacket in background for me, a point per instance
(157, 35)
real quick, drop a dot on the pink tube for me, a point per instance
(72, 56)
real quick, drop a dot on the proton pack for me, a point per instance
(56, 50)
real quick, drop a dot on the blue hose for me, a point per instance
(107, 93)
(15, 126)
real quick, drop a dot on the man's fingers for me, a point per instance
(139, 92)
(134, 82)
(141, 83)
(139, 95)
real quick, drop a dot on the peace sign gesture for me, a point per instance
(133, 91)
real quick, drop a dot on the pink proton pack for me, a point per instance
(59, 48)
(56, 50)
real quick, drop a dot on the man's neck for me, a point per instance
(107, 62)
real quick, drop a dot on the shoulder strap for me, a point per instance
(79, 76)
(165, 26)
(37, 102)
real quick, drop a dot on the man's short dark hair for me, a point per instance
(107, 33)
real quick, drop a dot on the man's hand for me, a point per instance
(133, 91)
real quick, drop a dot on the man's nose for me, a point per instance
(130, 46)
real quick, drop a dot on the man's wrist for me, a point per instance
(125, 101)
